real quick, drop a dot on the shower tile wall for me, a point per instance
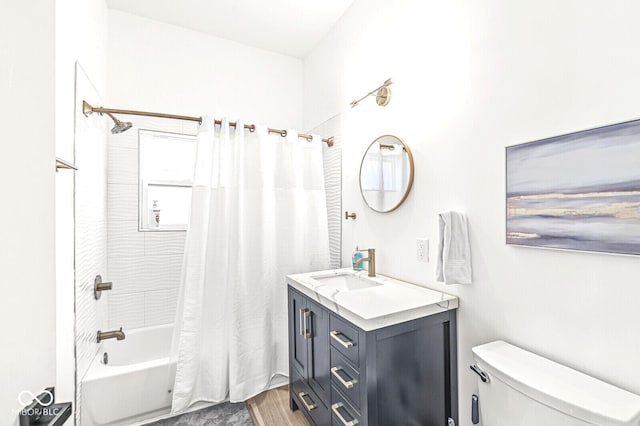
(144, 266)
(90, 227)
(332, 158)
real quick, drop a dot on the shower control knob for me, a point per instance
(99, 287)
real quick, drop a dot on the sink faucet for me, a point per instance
(115, 334)
(371, 262)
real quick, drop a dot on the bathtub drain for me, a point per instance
(105, 358)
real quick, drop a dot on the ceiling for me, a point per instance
(290, 27)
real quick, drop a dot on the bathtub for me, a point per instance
(136, 382)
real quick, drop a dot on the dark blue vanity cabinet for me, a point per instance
(309, 381)
(341, 375)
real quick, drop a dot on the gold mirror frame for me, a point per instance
(411, 172)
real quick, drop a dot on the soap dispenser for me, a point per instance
(155, 215)
(357, 255)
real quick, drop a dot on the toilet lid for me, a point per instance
(557, 386)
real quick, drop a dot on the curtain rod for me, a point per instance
(88, 109)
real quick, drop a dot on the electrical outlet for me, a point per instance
(422, 249)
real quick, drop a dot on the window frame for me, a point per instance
(143, 185)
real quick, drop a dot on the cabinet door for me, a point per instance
(298, 326)
(318, 357)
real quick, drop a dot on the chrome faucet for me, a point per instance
(371, 262)
(115, 334)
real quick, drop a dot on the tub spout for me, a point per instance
(116, 334)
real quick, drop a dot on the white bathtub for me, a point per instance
(136, 383)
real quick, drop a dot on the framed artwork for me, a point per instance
(579, 191)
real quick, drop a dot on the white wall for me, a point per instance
(80, 37)
(155, 66)
(27, 185)
(469, 79)
(88, 19)
(164, 68)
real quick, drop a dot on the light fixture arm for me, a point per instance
(383, 94)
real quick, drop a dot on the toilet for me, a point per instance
(525, 389)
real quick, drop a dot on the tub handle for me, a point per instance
(99, 287)
(483, 376)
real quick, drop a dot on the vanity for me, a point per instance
(371, 351)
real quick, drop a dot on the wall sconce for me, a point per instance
(383, 95)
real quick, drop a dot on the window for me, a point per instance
(166, 166)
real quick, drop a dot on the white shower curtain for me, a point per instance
(258, 213)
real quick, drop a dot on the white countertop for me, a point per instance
(371, 308)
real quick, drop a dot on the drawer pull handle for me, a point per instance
(303, 316)
(336, 409)
(309, 407)
(300, 322)
(346, 383)
(336, 336)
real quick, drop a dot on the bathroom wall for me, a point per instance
(90, 220)
(469, 79)
(155, 66)
(164, 68)
(27, 176)
(80, 56)
(332, 163)
(144, 266)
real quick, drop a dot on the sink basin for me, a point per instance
(346, 282)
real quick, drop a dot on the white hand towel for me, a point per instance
(454, 252)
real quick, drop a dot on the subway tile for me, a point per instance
(122, 202)
(164, 243)
(124, 239)
(126, 311)
(122, 165)
(143, 273)
(160, 307)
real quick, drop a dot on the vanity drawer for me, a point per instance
(344, 338)
(345, 377)
(309, 402)
(342, 412)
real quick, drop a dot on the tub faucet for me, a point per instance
(371, 262)
(115, 334)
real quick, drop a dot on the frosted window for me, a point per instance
(167, 162)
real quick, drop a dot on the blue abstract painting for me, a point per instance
(579, 191)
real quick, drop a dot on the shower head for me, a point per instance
(121, 126)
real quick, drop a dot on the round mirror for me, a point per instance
(386, 173)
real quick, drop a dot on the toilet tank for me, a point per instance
(525, 389)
